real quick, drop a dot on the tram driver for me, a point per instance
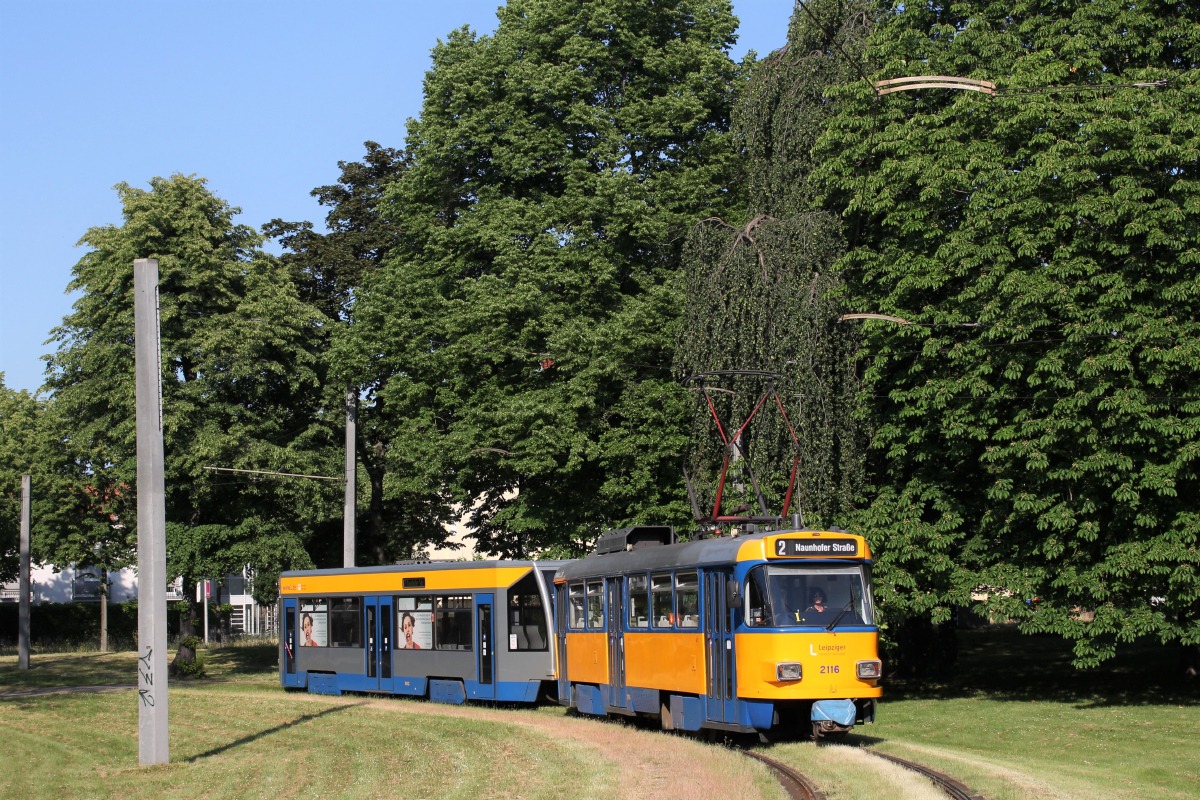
(816, 602)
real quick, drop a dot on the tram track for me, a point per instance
(793, 781)
(953, 788)
(800, 787)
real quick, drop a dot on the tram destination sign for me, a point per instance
(833, 547)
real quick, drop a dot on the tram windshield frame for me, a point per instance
(782, 596)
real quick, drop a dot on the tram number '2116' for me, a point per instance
(830, 670)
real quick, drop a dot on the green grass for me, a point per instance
(244, 741)
(254, 663)
(1017, 722)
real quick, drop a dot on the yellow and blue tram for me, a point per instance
(745, 633)
(451, 631)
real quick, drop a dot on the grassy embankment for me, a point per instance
(238, 734)
(253, 664)
(1017, 722)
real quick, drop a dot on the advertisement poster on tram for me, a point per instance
(314, 623)
(414, 620)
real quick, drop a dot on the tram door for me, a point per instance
(378, 633)
(289, 643)
(485, 645)
(718, 630)
(616, 644)
(560, 633)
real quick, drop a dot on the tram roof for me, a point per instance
(717, 550)
(426, 566)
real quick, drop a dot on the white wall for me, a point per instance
(56, 587)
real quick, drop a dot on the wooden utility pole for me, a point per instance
(350, 506)
(152, 520)
(23, 581)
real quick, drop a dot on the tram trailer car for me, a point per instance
(747, 633)
(449, 631)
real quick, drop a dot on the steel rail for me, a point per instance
(956, 789)
(793, 781)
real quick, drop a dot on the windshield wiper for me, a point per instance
(841, 614)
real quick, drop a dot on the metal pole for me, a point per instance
(151, 520)
(23, 584)
(205, 596)
(349, 509)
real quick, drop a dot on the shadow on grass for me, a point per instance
(281, 727)
(243, 660)
(1003, 664)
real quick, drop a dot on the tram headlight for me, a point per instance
(869, 670)
(789, 671)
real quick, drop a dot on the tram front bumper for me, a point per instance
(841, 712)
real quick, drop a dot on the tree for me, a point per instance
(405, 506)
(765, 294)
(1037, 419)
(328, 268)
(74, 519)
(240, 387)
(530, 311)
(20, 421)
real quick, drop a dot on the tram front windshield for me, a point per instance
(807, 596)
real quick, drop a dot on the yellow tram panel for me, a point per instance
(829, 662)
(435, 581)
(667, 661)
(587, 657)
(768, 549)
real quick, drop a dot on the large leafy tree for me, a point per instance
(1038, 419)
(21, 418)
(77, 518)
(763, 291)
(405, 505)
(240, 387)
(519, 341)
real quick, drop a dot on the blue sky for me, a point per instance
(262, 98)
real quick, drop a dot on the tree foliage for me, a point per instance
(766, 295)
(20, 423)
(240, 387)
(1037, 423)
(328, 268)
(529, 313)
(405, 502)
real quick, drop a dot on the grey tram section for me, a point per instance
(646, 556)
(517, 675)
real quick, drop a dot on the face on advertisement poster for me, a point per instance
(414, 620)
(314, 623)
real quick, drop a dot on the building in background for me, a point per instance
(76, 584)
(457, 547)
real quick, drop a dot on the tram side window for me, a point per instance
(576, 601)
(639, 602)
(757, 599)
(345, 622)
(662, 609)
(526, 616)
(595, 605)
(314, 622)
(687, 599)
(452, 623)
(414, 617)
